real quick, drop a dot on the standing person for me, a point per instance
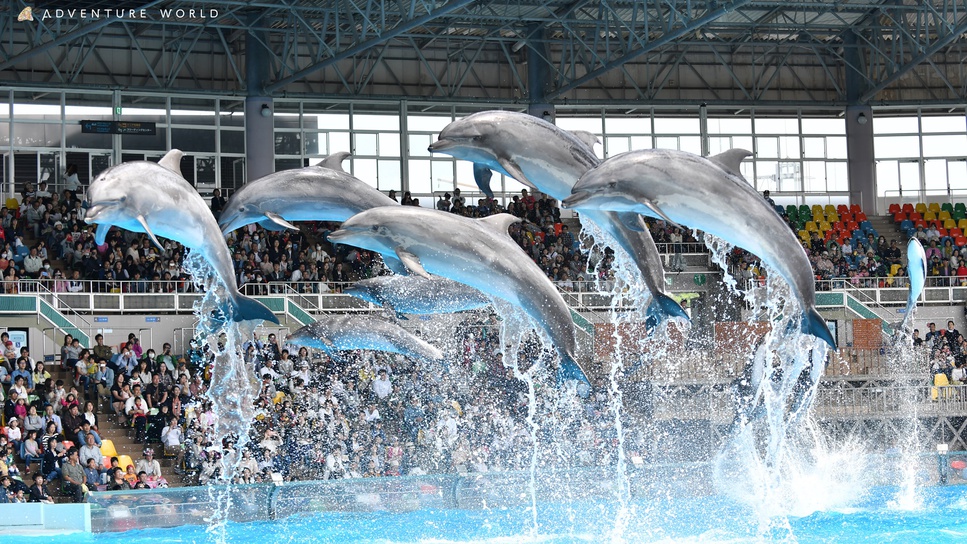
(218, 203)
(72, 182)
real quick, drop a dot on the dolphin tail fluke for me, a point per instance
(667, 307)
(814, 324)
(245, 308)
(571, 370)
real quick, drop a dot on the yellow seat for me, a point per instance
(124, 461)
(934, 207)
(817, 209)
(921, 208)
(894, 269)
(929, 216)
(804, 235)
(811, 226)
(108, 449)
(943, 215)
(819, 218)
(824, 226)
(829, 210)
(832, 217)
(12, 204)
(962, 224)
(950, 224)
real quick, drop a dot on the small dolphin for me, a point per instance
(708, 194)
(549, 159)
(313, 193)
(333, 333)
(917, 271)
(155, 199)
(474, 252)
(417, 295)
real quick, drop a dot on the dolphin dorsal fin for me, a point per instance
(587, 138)
(172, 161)
(501, 221)
(731, 160)
(334, 161)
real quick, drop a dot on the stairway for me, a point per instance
(885, 226)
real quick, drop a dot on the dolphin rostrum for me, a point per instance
(313, 193)
(549, 159)
(155, 199)
(475, 252)
(708, 194)
(417, 295)
(348, 332)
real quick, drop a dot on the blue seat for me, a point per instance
(906, 224)
(865, 225)
(780, 210)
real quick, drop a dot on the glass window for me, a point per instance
(952, 145)
(286, 143)
(677, 125)
(419, 176)
(389, 175)
(789, 147)
(823, 126)
(617, 144)
(637, 142)
(338, 141)
(366, 170)
(691, 144)
(814, 148)
(376, 122)
(365, 145)
(836, 147)
(419, 144)
(627, 125)
(890, 147)
(767, 147)
(389, 144)
(233, 141)
(837, 176)
(790, 177)
(766, 177)
(935, 176)
(590, 124)
(814, 176)
(729, 125)
(895, 125)
(943, 123)
(719, 144)
(768, 125)
(666, 142)
(442, 176)
(427, 123)
(331, 121)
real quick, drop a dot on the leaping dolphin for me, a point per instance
(417, 295)
(917, 271)
(549, 159)
(707, 194)
(348, 332)
(313, 193)
(475, 252)
(155, 199)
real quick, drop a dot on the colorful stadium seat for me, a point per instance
(943, 215)
(962, 224)
(929, 216)
(811, 226)
(947, 207)
(934, 207)
(921, 208)
(842, 209)
(894, 209)
(908, 208)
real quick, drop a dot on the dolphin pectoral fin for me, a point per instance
(278, 220)
(515, 172)
(665, 306)
(270, 225)
(147, 230)
(395, 265)
(412, 263)
(245, 308)
(482, 175)
(501, 221)
(632, 221)
(101, 234)
(172, 161)
(657, 211)
(731, 160)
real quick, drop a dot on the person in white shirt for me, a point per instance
(172, 438)
(382, 386)
(149, 465)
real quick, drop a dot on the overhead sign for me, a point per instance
(152, 320)
(100, 320)
(144, 128)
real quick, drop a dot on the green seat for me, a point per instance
(792, 210)
(960, 207)
(958, 215)
(947, 207)
(805, 212)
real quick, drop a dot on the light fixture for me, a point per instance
(861, 118)
(266, 110)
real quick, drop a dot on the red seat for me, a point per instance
(894, 209)
(956, 233)
(855, 208)
(916, 217)
(860, 217)
(899, 217)
(960, 241)
(919, 223)
(853, 225)
(838, 225)
(842, 209)
(907, 208)
(943, 232)
(840, 240)
(937, 223)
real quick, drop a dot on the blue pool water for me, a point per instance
(942, 518)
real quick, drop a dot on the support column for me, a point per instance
(859, 150)
(537, 72)
(259, 109)
(859, 132)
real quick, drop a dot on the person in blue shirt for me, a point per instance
(22, 370)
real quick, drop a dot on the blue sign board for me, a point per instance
(152, 320)
(100, 320)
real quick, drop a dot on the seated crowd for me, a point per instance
(369, 415)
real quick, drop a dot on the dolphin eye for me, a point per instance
(241, 209)
(613, 184)
(375, 228)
